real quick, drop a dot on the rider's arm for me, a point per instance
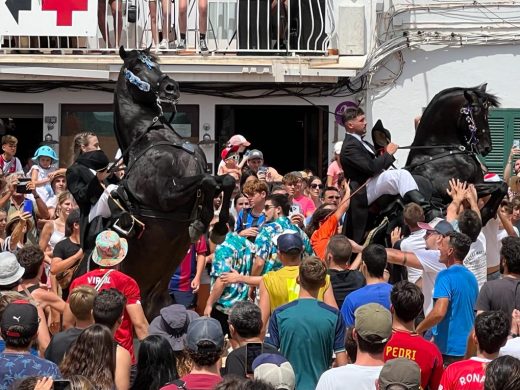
(408, 259)
(83, 191)
(351, 157)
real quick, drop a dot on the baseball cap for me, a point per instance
(400, 371)
(288, 240)
(20, 319)
(373, 319)
(255, 154)
(229, 151)
(492, 178)
(204, 329)
(238, 140)
(10, 269)
(275, 370)
(439, 225)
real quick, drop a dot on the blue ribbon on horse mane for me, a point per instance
(133, 79)
(147, 60)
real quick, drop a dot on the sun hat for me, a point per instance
(10, 269)
(438, 225)
(110, 249)
(205, 329)
(14, 217)
(172, 323)
(400, 371)
(275, 370)
(238, 140)
(373, 319)
(45, 151)
(19, 319)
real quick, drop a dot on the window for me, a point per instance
(504, 125)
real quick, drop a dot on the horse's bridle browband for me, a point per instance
(144, 85)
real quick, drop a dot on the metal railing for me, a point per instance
(245, 27)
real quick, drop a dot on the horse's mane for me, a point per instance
(491, 99)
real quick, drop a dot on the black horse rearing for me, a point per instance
(166, 178)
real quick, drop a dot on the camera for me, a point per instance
(132, 13)
(21, 187)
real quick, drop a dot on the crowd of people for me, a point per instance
(296, 297)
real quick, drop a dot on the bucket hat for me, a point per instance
(110, 249)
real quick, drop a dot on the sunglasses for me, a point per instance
(320, 186)
(268, 207)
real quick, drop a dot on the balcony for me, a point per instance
(253, 41)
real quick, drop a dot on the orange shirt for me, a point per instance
(321, 236)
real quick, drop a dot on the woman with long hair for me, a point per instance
(155, 364)
(92, 356)
(54, 231)
(314, 189)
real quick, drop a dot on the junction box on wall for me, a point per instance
(351, 29)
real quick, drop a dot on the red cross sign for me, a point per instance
(64, 9)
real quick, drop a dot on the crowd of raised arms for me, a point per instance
(290, 299)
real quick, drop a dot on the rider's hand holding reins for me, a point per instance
(391, 148)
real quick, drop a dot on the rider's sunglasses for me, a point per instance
(320, 186)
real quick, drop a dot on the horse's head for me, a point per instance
(474, 118)
(146, 83)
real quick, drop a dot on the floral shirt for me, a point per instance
(234, 253)
(15, 366)
(267, 250)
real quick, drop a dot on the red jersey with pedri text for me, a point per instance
(465, 375)
(128, 287)
(414, 347)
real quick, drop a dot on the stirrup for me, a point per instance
(122, 231)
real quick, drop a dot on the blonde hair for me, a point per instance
(81, 301)
(62, 197)
(81, 139)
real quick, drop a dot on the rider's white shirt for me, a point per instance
(365, 144)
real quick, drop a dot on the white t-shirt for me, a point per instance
(431, 267)
(412, 243)
(351, 376)
(512, 348)
(493, 244)
(476, 261)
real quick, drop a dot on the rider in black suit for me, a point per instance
(360, 163)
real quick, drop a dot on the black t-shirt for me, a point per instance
(65, 249)
(236, 360)
(502, 294)
(60, 344)
(344, 282)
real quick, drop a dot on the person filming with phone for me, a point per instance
(513, 178)
(245, 325)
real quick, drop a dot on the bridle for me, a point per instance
(145, 86)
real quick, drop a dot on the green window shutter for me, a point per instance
(495, 159)
(504, 125)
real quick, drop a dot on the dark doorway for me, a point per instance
(25, 122)
(292, 138)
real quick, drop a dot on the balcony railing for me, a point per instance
(244, 27)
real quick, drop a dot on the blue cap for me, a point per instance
(289, 240)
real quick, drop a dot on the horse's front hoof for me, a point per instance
(196, 230)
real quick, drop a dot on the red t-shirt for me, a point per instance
(426, 354)
(465, 375)
(128, 287)
(199, 381)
